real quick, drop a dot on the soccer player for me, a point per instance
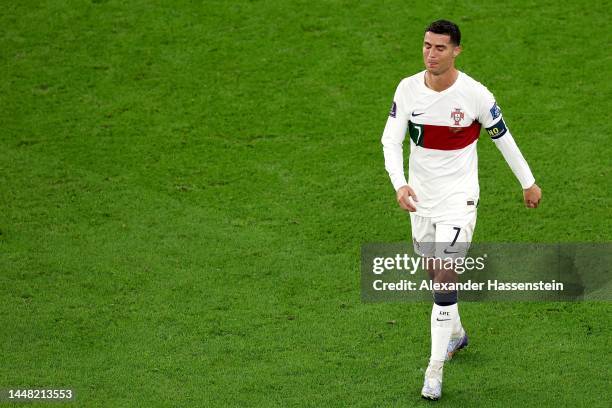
(443, 111)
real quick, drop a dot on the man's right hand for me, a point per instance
(406, 197)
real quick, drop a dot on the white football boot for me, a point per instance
(432, 387)
(456, 344)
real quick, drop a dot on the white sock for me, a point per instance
(457, 327)
(442, 321)
(435, 369)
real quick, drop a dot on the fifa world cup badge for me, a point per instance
(457, 116)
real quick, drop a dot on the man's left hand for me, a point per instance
(532, 196)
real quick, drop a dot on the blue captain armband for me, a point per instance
(497, 130)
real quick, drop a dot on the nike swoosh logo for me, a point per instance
(442, 320)
(417, 114)
(446, 251)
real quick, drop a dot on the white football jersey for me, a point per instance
(443, 129)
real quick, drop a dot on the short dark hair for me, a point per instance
(446, 27)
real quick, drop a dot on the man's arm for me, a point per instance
(507, 146)
(392, 141)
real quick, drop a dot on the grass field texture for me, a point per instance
(186, 186)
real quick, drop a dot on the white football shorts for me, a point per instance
(443, 237)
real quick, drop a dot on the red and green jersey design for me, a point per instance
(443, 137)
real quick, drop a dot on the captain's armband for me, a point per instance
(498, 129)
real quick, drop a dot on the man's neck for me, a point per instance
(441, 82)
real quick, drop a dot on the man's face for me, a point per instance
(439, 53)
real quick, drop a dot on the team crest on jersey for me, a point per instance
(457, 116)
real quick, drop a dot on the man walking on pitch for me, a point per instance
(443, 111)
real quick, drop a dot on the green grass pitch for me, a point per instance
(185, 187)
